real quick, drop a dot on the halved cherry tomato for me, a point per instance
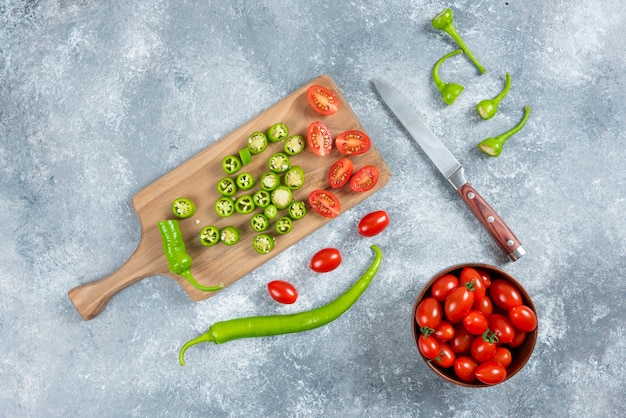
(464, 368)
(325, 260)
(490, 373)
(428, 314)
(364, 179)
(319, 139)
(340, 173)
(325, 203)
(446, 356)
(373, 223)
(282, 291)
(353, 142)
(475, 322)
(523, 318)
(444, 331)
(442, 287)
(428, 346)
(502, 327)
(321, 99)
(503, 356)
(504, 295)
(458, 303)
(469, 275)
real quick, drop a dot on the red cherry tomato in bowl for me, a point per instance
(282, 291)
(504, 294)
(325, 203)
(523, 318)
(319, 139)
(364, 179)
(353, 142)
(325, 260)
(428, 346)
(340, 173)
(373, 223)
(490, 372)
(324, 101)
(428, 313)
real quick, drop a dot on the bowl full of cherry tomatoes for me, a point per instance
(474, 325)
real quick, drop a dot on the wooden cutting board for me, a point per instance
(196, 179)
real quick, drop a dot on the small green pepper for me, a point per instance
(294, 145)
(279, 162)
(444, 21)
(493, 146)
(209, 236)
(294, 178)
(487, 108)
(262, 326)
(225, 206)
(245, 181)
(270, 181)
(245, 156)
(297, 210)
(257, 142)
(261, 198)
(282, 197)
(270, 212)
(244, 204)
(259, 222)
(263, 243)
(229, 235)
(277, 132)
(178, 261)
(449, 91)
(283, 225)
(183, 208)
(231, 164)
(227, 186)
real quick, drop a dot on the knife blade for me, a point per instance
(451, 169)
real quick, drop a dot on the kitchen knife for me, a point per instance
(451, 169)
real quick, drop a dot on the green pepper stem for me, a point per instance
(505, 90)
(493, 146)
(436, 78)
(449, 91)
(189, 277)
(207, 337)
(444, 21)
(503, 137)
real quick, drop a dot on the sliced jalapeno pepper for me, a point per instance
(224, 206)
(261, 198)
(279, 162)
(277, 132)
(270, 212)
(183, 208)
(244, 204)
(257, 142)
(283, 225)
(245, 156)
(294, 178)
(263, 243)
(245, 181)
(259, 222)
(297, 210)
(270, 181)
(227, 186)
(231, 164)
(294, 145)
(229, 235)
(282, 197)
(209, 236)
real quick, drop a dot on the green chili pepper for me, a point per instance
(229, 235)
(294, 178)
(270, 181)
(282, 197)
(444, 21)
(270, 211)
(449, 91)
(209, 236)
(227, 186)
(297, 210)
(279, 162)
(259, 222)
(263, 243)
(261, 198)
(245, 181)
(225, 206)
(245, 156)
(277, 132)
(493, 146)
(487, 108)
(244, 204)
(294, 145)
(283, 225)
(178, 261)
(183, 208)
(262, 326)
(257, 142)
(231, 164)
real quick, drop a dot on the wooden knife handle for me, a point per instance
(492, 222)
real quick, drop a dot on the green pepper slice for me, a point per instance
(245, 156)
(245, 181)
(282, 197)
(244, 204)
(257, 142)
(283, 225)
(297, 210)
(294, 178)
(227, 186)
(270, 212)
(231, 164)
(294, 145)
(277, 132)
(183, 208)
(279, 162)
(259, 222)
(224, 206)
(263, 243)
(261, 198)
(209, 236)
(270, 181)
(229, 235)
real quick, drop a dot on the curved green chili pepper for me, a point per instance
(263, 326)
(178, 261)
(493, 146)
(487, 108)
(449, 91)
(444, 22)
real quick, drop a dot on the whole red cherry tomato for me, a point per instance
(373, 223)
(475, 322)
(428, 314)
(523, 318)
(444, 332)
(486, 277)
(483, 349)
(503, 356)
(282, 291)
(462, 340)
(502, 327)
(443, 286)
(326, 260)
(471, 277)
(458, 303)
(464, 368)
(490, 373)
(428, 346)
(484, 306)
(446, 356)
(520, 337)
(504, 295)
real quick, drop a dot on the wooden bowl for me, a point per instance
(520, 354)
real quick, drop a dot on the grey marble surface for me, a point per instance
(99, 99)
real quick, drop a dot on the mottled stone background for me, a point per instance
(100, 98)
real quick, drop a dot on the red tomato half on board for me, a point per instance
(324, 101)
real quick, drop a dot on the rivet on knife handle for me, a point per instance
(492, 222)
